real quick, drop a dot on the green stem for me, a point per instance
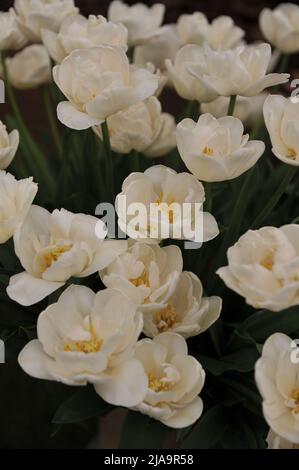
(275, 198)
(256, 128)
(236, 220)
(284, 63)
(35, 158)
(52, 120)
(240, 208)
(214, 339)
(109, 161)
(192, 111)
(232, 104)
(135, 162)
(209, 197)
(96, 165)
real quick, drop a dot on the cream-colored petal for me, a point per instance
(28, 290)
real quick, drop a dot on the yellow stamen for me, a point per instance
(166, 319)
(209, 151)
(292, 154)
(55, 254)
(160, 199)
(171, 201)
(93, 345)
(158, 384)
(295, 399)
(142, 280)
(268, 262)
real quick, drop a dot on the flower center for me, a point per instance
(142, 280)
(294, 401)
(166, 318)
(159, 384)
(167, 205)
(292, 154)
(55, 254)
(268, 261)
(208, 151)
(93, 345)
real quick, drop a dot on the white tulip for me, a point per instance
(186, 312)
(281, 117)
(142, 127)
(99, 82)
(89, 338)
(163, 45)
(248, 110)
(174, 381)
(185, 83)
(53, 248)
(164, 195)
(274, 441)
(16, 198)
(166, 140)
(141, 21)
(240, 71)
(147, 273)
(78, 32)
(281, 27)
(35, 15)
(193, 28)
(162, 77)
(221, 34)
(9, 144)
(11, 37)
(216, 149)
(263, 267)
(29, 68)
(277, 377)
(276, 56)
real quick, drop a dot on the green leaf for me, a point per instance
(245, 431)
(209, 429)
(30, 332)
(263, 324)
(245, 389)
(83, 405)
(80, 202)
(14, 315)
(8, 258)
(141, 432)
(240, 361)
(4, 279)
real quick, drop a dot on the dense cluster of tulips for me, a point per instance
(140, 321)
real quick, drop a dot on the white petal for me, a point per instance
(175, 344)
(52, 43)
(126, 386)
(74, 119)
(106, 254)
(28, 290)
(33, 361)
(210, 227)
(184, 417)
